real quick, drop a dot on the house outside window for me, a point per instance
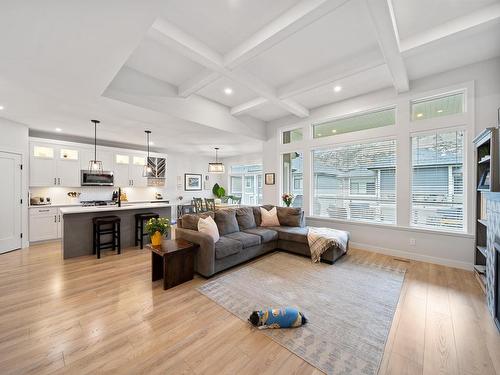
(245, 181)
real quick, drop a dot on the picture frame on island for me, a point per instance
(192, 182)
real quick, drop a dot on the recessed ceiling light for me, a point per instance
(151, 143)
(228, 91)
(319, 134)
(439, 111)
(1, 107)
(58, 130)
(337, 88)
(334, 131)
(420, 114)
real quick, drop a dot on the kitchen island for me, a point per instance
(77, 224)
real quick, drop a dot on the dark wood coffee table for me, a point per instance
(174, 261)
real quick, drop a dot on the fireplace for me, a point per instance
(496, 284)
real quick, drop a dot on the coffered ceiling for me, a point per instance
(212, 73)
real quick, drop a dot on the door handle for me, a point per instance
(58, 181)
(55, 218)
(59, 218)
(55, 181)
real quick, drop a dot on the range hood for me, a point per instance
(158, 172)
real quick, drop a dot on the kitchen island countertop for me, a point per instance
(124, 207)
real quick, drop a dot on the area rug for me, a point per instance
(350, 307)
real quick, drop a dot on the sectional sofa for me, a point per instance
(242, 238)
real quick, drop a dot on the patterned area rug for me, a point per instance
(350, 307)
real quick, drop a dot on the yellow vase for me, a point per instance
(156, 239)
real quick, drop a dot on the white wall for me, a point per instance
(482, 82)
(15, 139)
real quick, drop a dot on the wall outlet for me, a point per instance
(413, 241)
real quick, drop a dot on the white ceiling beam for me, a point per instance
(383, 20)
(323, 77)
(196, 83)
(474, 19)
(296, 18)
(163, 32)
(245, 107)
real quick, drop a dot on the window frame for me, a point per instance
(422, 99)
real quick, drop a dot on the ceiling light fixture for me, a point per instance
(228, 91)
(95, 166)
(420, 114)
(1, 107)
(334, 130)
(146, 172)
(58, 130)
(216, 167)
(439, 111)
(337, 88)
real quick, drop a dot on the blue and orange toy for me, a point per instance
(287, 317)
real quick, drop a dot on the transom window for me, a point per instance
(356, 182)
(443, 105)
(290, 136)
(370, 120)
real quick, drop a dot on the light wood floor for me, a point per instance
(105, 316)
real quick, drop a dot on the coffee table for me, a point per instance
(173, 261)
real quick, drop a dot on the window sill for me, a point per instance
(392, 227)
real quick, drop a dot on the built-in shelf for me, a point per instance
(482, 249)
(485, 160)
(483, 222)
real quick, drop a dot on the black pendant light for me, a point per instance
(147, 171)
(216, 167)
(95, 166)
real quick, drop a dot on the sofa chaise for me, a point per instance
(242, 238)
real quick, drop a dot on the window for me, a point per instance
(375, 119)
(444, 105)
(245, 181)
(290, 136)
(43, 152)
(438, 181)
(356, 182)
(293, 169)
(121, 159)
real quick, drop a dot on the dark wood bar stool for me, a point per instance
(139, 226)
(106, 225)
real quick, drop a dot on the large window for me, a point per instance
(363, 121)
(438, 181)
(245, 181)
(356, 182)
(293, 172)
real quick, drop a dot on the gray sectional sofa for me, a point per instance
(242, 238)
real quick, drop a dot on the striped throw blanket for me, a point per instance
(321, 239)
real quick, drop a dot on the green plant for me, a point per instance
(162, 225)
(218, 191)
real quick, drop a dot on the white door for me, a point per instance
(43, 227)
(10, 202)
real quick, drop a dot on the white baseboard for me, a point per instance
(412, 256)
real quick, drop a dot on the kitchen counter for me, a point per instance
(124, 207)
(77, 225)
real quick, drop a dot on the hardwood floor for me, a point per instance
(92, 316)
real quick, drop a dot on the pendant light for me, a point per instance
(216, 167)
(147, 171)
(95, 166)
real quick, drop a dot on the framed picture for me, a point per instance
(270, 179)
(192, 182)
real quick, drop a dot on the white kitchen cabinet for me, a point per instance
(128, 170)
(44, 224)
(53, 165)
(105, 156)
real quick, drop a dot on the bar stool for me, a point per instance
(106, 225)
(139, 226)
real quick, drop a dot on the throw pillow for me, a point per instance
(245, 217)
(226, 221)
(207, 225)
(269, 218)
(290, 216)
(190, 221)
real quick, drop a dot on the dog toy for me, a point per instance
(286, 317)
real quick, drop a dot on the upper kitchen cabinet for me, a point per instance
(128, 170)
(103, 154)
(54, 165)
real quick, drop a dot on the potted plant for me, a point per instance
(287, 198)
(157, 228)
(219, 192)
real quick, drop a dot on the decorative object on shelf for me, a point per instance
(95, 166)
(270, 178)
(192, 182)
(147, 171)
(157, 228)
(73, 194)
(287, 198)
(216, 167)
(218, 191)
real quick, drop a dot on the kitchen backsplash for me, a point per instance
(59, 195)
